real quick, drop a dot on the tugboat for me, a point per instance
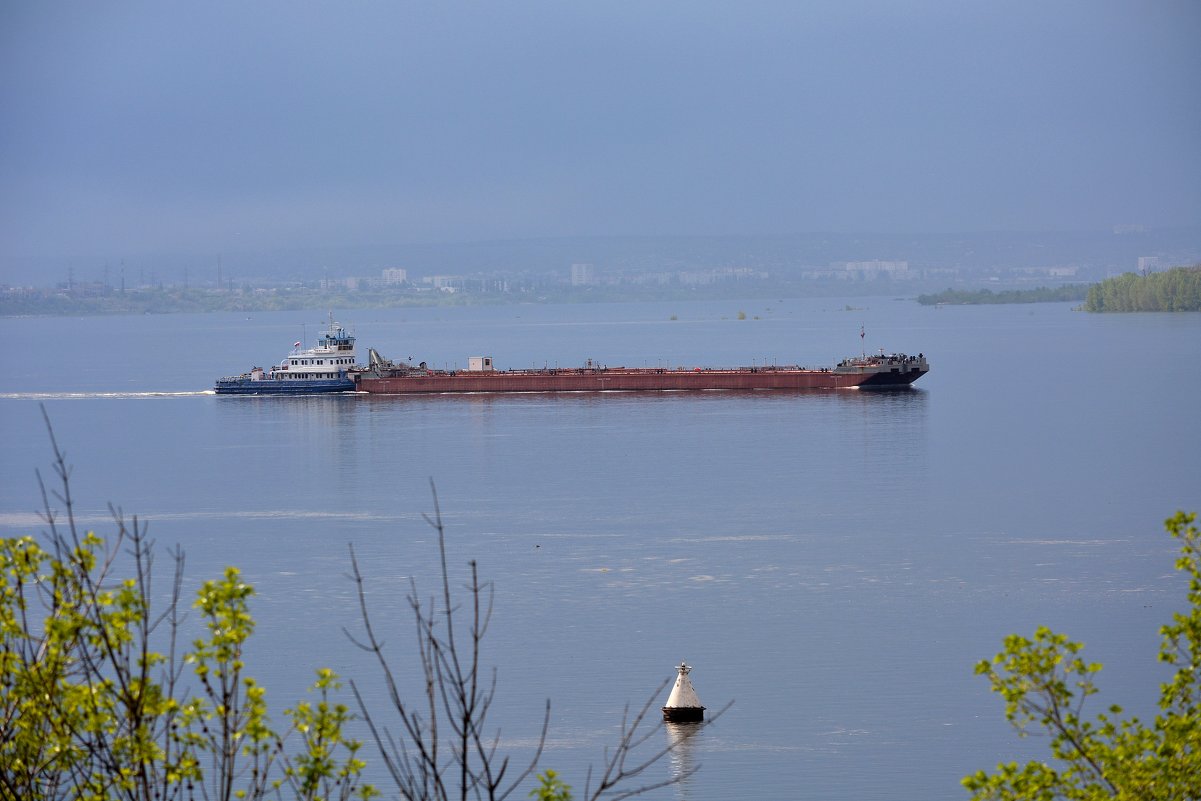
(325, 368)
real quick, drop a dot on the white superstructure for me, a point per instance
(331, 358)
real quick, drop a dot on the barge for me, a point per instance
(878, 371)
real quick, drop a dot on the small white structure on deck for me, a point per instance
(683, 704)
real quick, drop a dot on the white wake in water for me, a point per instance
(94, 395)
(94, 517)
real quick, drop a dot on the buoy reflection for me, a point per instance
(682, 739)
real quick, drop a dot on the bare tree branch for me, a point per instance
(449, 657)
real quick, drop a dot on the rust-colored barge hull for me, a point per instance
(623, 379)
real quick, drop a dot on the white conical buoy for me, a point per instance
(682, 704)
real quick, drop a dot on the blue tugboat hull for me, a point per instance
(249, 386)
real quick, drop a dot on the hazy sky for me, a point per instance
(200, 127)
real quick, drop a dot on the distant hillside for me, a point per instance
(1178, 289)
(958, 297)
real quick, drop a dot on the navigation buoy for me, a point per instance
(682, 705)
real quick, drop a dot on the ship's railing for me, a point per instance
(883, 359)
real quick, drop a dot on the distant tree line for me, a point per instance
(243, 299)
(1043, 294)
(1178, 289)
(170, 300)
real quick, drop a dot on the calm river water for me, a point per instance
(834, 562)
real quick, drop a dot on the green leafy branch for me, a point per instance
(1045, 682)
